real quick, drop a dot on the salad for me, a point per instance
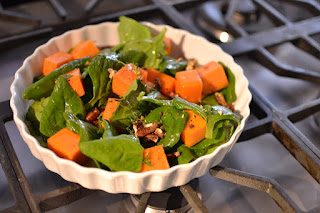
(131, 107)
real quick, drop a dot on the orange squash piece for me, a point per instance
(55, 61)
(189, 85)
(75, 82)
(153, 75)
(168, 84)
(195, 129)
(213, 77)
(65, 144)
(84, 49)
(111, 107)
(167, 42)
(123, 79)
(156, 157)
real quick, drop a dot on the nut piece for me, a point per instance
(151, 138)
(222, 101)
(93, 115)
(142, 130)
(173, 155)
(192, 64)
(159, 133)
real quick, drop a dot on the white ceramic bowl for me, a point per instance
(106, 34)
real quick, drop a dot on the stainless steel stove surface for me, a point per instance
(274, 167)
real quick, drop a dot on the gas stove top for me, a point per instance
(275, 165)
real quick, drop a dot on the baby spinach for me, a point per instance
(129, 30)
(118, 153)
(99, 74)
(186, 154)
(173, 121)
(210, 100)
(171, 66)
(86, 130)
(63, 99)
(130, 108)
(230, 91)
(135, 36)
(44, 86)
(109, 130)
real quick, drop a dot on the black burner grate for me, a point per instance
(270, 119)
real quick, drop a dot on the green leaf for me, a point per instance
(109, 130)
(130, 108)
(44, 86)
(186, 154)
(129, 29)
(63, 99)
(135, 36)
(98, 72)
(230, 91)
(86, 130)
(171, 66)
(118, 153)
(173, 121)
(210, 100)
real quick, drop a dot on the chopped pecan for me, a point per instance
(93, 115)
(151, 138)
(142, 130)
(173, 155)
(192, 64)
(222, 101)
(159, 132)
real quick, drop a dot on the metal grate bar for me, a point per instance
(272, 37)
(312, 5)
(143, 202)
(277, 18)
(91, 5)
(301, 112)
(265, 58)
(16, 168)
(58, 8)
(193, 199)
(263, 184)
(299, 146)
(11, 41)
(18, 17)
(62, 197)
(176, 17)
(21, 203)
(307, 44)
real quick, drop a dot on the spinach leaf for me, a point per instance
(98, 72)
(186, 154)
(63, 99)
(44, 86)
(109, 130)
(211, 114)
(230, 91)
(171, 66)
(157, 98)
(129, 30)
(130, 108)
(86, 130)
(173, 121)
(136, 57)
(33, 115)
(210, 100)
(216, 114)
(135, 36)
(118, 153)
